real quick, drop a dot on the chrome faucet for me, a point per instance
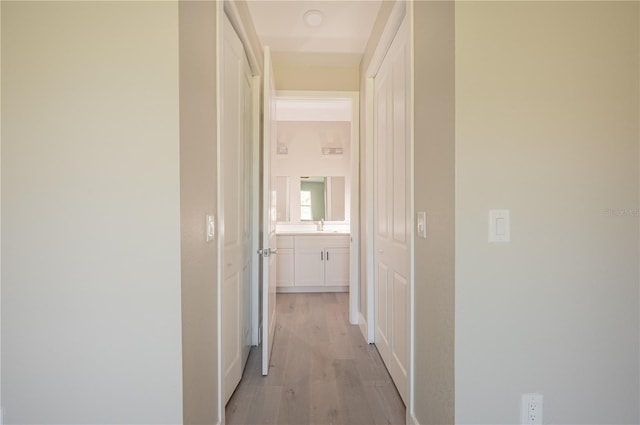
(321, 224)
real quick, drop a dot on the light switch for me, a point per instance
(500, 229)
(421, 224)
(211, 228)
(499, 226)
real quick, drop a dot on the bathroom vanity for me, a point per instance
(313, 256)
(313, 261)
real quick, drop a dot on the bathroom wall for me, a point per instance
(304, 141)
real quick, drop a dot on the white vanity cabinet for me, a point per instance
(313, 263)
(336, 266)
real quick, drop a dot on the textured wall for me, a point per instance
(198, 176)
(434, 165)
(90, 195)
(547, 127)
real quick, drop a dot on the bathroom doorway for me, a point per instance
(316, 163)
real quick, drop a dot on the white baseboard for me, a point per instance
(411, 419)
(307, 289)
(363, 327)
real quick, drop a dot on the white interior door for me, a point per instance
(248, 227)
(235, 208)
(392, 216)
(269, 207)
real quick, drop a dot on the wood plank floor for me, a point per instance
(322, 371)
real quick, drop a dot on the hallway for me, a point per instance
(322, 371)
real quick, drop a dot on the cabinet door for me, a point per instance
(284, 267)
(309, 266)
(336, 266)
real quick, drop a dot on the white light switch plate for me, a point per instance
(211, 228)
(499, 226)
(421, 224)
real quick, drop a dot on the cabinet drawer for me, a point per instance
(284, 241)
(341, 241)
(311, 242)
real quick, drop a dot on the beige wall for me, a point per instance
(434, 163)
(1, 414)
(315, 78)
(547, 127)
(90, 195)
(198, 175)
(304, 141)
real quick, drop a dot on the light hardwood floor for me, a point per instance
(322, 371)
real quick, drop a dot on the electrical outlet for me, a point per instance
(531, 409)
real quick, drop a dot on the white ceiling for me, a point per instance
(339, 41)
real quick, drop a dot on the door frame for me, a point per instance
(354, 210)
(401, 10)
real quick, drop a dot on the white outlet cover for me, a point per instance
(531, 409)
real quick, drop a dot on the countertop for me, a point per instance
(313, 233)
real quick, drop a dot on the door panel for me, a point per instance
(268, 216)
(382, 308)
(246, 312)
(247, 227)
(234, 236)
(231, 344)
(382, 128)
(399, 345)
(392, 215)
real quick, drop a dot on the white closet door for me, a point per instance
(234, 210)
(247, 225)
(269, 209)
(392, 215)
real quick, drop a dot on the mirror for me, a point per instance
(311, 198)
(322, 198)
